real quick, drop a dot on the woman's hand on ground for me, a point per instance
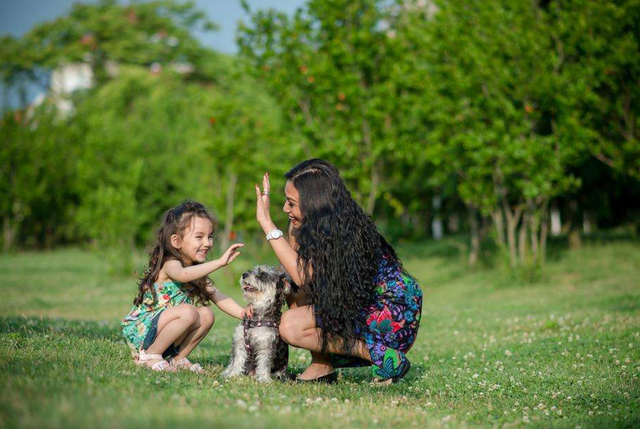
(231, 254)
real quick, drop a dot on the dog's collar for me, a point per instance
(256, 323)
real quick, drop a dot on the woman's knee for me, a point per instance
(207, 318)
(289, 328)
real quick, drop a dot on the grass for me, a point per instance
(492, 352)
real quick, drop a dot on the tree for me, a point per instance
(155, 32)
(498, 112)
(329, 67)
(599, 42)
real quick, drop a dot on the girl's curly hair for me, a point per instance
(342, 248)
(174, 221)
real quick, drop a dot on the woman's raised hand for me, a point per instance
(231, 254)
(262, 204)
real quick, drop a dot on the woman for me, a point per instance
(356, 305)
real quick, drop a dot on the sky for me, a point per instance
(17, 17)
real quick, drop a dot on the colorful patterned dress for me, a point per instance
(142, 320)
(392, 323)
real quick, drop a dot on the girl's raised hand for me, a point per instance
(263, 204)
(231, 254)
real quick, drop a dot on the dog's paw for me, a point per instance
(230, 373)
(264, 378)
(282, 376)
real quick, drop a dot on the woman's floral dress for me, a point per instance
(143, 318)
(392, 323)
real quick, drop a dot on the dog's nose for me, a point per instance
(244, 276)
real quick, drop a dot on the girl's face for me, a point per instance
(196, 241)
(292, 204)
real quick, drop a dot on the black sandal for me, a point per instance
(330, 378)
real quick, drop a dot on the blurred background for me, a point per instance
(509, 128)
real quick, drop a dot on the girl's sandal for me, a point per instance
(161, 365)
(185, 363)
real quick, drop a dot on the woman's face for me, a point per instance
(292, 204)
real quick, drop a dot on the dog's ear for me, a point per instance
(285, 284)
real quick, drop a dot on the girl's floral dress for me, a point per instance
(392, 322)
(142, 318)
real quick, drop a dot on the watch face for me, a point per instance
(275, 234)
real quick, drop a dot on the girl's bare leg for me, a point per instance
(174, 324)
(197, 334)
(298, 328)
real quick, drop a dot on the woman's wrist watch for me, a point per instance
(274, 234)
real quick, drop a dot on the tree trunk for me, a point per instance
(474, 251)
(8, 234)
(513, 219)
(437, 230)
(228, 222)
(544, 232)
(522, 237)
(453, 223)
(373, 192)
(574, 227)
(498, 220)
(534, 228)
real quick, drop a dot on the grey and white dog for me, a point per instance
(257, 347)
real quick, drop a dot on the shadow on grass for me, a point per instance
(49, 326)
(558, 247)
(216, 355)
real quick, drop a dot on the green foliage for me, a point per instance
(36, 177)
(496, 108)
(138, 33)
(330, 68)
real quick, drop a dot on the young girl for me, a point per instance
(164, 322)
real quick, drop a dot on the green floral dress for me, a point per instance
(140, 320)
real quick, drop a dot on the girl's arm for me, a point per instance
(175, 271)
(228, 305)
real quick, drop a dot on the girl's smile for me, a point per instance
(197, 240)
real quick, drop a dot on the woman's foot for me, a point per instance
(315, 371)
(392, 375)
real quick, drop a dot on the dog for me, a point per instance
(257, 348)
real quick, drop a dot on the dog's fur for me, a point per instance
(265, 288)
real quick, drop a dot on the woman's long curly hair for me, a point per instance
(342, 248)
(174, 221)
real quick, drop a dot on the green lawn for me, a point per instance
(563, 352)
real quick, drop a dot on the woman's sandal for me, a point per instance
(395, 379)
(161, 365)
(330, 378)
(187, 364)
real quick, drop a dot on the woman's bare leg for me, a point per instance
(298, 328)
(320, 362)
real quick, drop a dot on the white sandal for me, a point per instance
(161, 365)
(187, 364)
